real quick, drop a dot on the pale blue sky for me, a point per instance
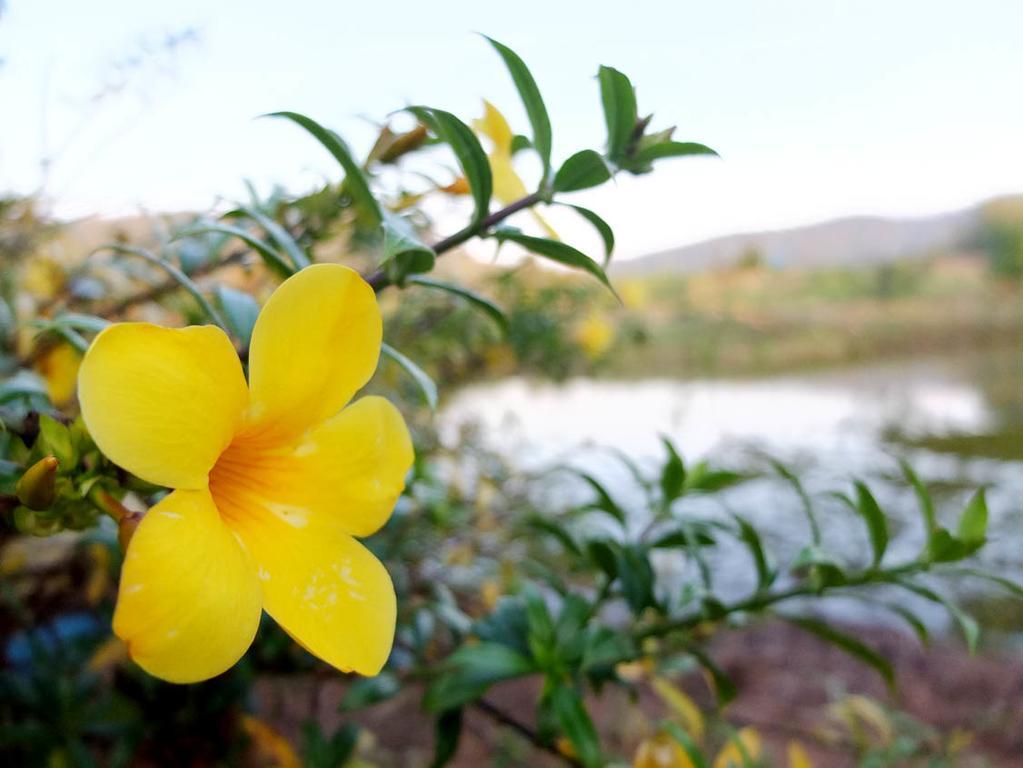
(820, 109)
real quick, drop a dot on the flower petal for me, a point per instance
(325, 589)
(344, 475)
(315, 343)
(189, 600)
(162, 402)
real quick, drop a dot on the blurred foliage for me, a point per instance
(1000, 237)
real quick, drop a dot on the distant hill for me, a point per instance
(861, 240)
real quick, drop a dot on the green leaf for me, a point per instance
(811, 518)
(967, 624)
(447, 732)
(582, 170)
(422, 379)
(636, 576)
(267, 252)
(1007, 584)
(604, 502)
(687, 536)
(531, 99)
(554, 250)
(619, 101)
(724, 687)
(552, 528)
(356, 183)
(179, 277)
(576, 724)
(749, 536)
(604, 554)
(22, 384)
(470, 670)
(671, 149)
(849, 644)
(90, 323)
(689, 747)
(877, 526)
(507, 625)
(470, 155)
(481, 303)
(825, 569)
(367, 691)
(673, 473)
(923, 497)
(973, 522)
(240, 310)
(279, 235)
(403, 251)
(946, 548)
(57, 440)
(603, 229)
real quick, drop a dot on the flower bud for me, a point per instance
(37, 488)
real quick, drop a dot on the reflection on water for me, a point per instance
(829, 426)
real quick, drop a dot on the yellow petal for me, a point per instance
(508, 186)
(747, 741)
(495, 127)
(59, 365)
(343, 476)
(325, 589)
(315, 343)
(189, 601)
(162, 402)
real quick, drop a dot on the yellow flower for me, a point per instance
(594, 334)
(272, 480)
(508, 185)
(731, 755)
(58, 365)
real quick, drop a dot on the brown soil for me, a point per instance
(786, 680)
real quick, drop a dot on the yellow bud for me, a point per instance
(37, 488)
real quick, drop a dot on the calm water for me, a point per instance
(958, 420)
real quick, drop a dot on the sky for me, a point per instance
(819, 109)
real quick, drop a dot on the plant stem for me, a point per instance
(380, 279)
(502, 717)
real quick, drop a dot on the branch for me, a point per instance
(380, 279)
(502, 717)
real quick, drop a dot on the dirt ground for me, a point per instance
(786, 680)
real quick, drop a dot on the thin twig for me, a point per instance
(502, 717)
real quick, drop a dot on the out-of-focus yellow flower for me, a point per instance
(58, 365)
(490, 593)
(43, 278)
(681, 705)
(634, 294)
(269, 745)
(594, 334)
(508, 185)
(797, 756)
(273, 481)
(634, 671)
(731, 755)
(661, 751)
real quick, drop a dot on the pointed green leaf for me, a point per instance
(403, 252)
(470, 155)
(470, 670)
(673, 473)
(422, 379)
(531, 99)
(555, 251)
(576, 724)
(582, 170)
(849, 644)
(688, 745)
(240, 310)
(973, 522)
(476, 300)
(923, 497)
(751, 538)
(671, 149)
(967, 624)
(618, 98)
(279, 235)
(877, 526)
(603, 229)
(267, 252)
(724, 687)
(356, 183)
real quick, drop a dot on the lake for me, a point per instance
(957, 419)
